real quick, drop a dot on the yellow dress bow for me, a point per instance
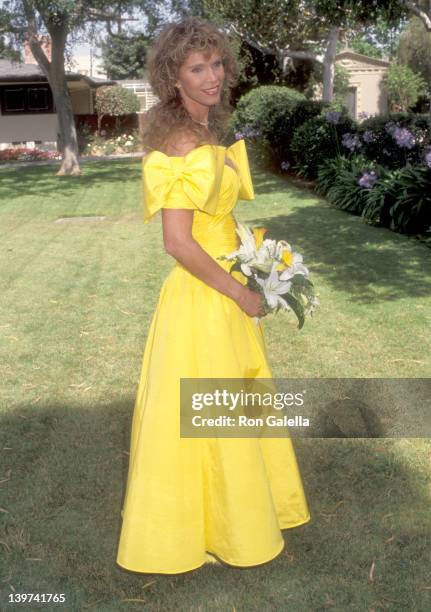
(192, 181)
(238, 154)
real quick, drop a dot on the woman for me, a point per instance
(190, 498)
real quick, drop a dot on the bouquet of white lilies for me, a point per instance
(274, 270)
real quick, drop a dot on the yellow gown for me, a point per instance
(187, 497)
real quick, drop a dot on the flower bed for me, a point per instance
(113, 145)
(379, 169)
(25, 154)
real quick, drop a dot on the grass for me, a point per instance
(77, 299)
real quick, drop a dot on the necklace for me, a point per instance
(204, 123)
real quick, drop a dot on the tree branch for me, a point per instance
(310, 55)
(423, 16)
(9, 29)
(35, 46)
(284, 54)
(253, 43)
(97, 16)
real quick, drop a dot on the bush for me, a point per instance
(399, 199)
(396, 139)
(260, 113)
(286, 124)
(328, 172)
(411, 213)
(116, 101)
(342, 181)
(262, 105)
(319, 139)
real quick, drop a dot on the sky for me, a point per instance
(83, 47)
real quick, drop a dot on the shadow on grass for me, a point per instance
(62, 501)
(367, 263)
(370, 264)
(42, 180)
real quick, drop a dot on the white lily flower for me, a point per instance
(244, 232)
(246, 270)
(249, 255)
(247, 249)
(295, 268)
(263, 259)
(273, 288)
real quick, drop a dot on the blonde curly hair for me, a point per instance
(170, 50)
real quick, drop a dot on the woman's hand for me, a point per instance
(250, 302)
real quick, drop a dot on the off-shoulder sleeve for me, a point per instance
(191, 181)
(238, 153)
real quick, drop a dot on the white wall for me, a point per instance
(27, 128)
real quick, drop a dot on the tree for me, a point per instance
(6, 52)
(115, 101)
(379, 39)
(414, 49)
(125, 56)
(61, 19)
(301, 29)
(403, 86)
(422, 10)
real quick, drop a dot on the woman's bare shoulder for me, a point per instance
(181, 142)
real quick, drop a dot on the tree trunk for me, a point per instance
(55, 73)
(99, 124)
(63, 103)
(329, 64)
(68, 137)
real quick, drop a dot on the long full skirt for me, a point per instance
(187, 497)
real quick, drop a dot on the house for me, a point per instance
(366, 92)
(27, 112)
(142, 89)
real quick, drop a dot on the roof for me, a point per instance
(143, 81)
(21, 73)
(365, 59)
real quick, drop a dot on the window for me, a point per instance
(26, 99)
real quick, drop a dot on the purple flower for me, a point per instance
(367, 180)
(248, 131)
(368, 136)
(428, 158)
(285, 165)
(390, 127)
(403, 137)
(351, 141)
(333, 117)
(363, 115)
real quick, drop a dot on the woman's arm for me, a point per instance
(179, 242)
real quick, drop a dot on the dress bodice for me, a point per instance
(201, 181)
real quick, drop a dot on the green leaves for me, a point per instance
(116, 101)
(400, 199)
(297, 308)
(403, 86)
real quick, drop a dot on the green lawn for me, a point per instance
(76, 303)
